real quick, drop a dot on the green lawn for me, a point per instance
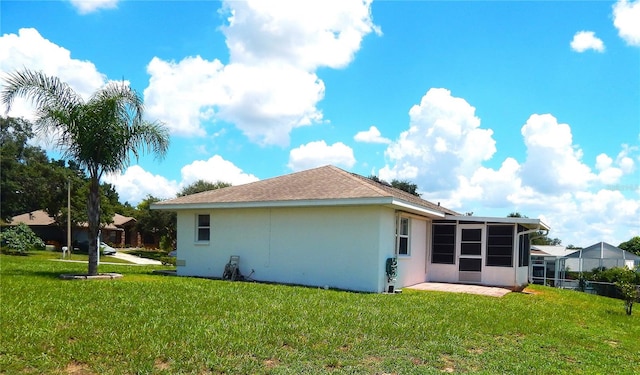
(37, 254)
(152, 324)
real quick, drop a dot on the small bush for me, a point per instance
(20, 239)
(622, 284)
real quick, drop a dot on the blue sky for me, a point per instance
(489, 107)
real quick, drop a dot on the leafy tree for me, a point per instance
(202, 185)
(100, 134)
(159, 224)
(23, 169)
(20, 238)
(405, 186)
(632, 246)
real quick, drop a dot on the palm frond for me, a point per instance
(43, 91)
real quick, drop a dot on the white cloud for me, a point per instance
(29, 49)
(444, 141)
(444, 148)
(306, 34)
(269, 86)
(90, 6)
(585, 40)
(181, 94)
(553, 163)
(372, 135)
(626, 18)
(135, 184)
(315, 154)
(213, 170)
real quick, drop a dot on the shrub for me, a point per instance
(623, 284)
(20, 239)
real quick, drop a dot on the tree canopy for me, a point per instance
(202, 185)
(632, 246)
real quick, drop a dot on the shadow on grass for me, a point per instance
(36, 273)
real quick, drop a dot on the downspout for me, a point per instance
(515, 266)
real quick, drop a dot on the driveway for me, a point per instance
(135, 259)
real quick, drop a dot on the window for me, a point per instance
(444, 244)
(203, 228)
(402, 236)
(500, 245)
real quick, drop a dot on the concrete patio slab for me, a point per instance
(491, 291)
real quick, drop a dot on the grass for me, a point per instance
(150, 324)
(51, 255)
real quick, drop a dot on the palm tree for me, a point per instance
(101, 134)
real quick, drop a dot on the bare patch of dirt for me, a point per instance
(161, 365)
(449, 364)
(78, 368)
(531, 291)
(271, 363)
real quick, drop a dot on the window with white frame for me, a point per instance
(203, 228)
(402, 236)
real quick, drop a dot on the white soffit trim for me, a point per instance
(507, 220)
(416, 209)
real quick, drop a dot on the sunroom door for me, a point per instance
(471, 249)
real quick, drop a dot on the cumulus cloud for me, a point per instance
(553, 164)
(586, 40)
(444, 141)
(191, 86)
(135, 184)
(270, 86)
(315, 154)
(213, 170)
(306, 34)
(444, 149)
(372, 135)
(29, 49)
(626, 18)
(90, 6)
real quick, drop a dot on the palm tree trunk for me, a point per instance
(94, 224)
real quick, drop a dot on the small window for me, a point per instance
(203, 228)
(403, 236)
(444, 244)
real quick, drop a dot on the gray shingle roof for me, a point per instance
(323, 183)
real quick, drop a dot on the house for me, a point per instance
(328, 227)
(120, 232)
(548, 265)
(600, 255)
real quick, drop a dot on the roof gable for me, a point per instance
(603, 250)
(42, 218)
(328, 183)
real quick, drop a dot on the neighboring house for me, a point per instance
(328, 227)
(548, 264)
(119, 233)
(600, 255)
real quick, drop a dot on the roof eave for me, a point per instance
(526, 222)
(419, 210)
(274, 204)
